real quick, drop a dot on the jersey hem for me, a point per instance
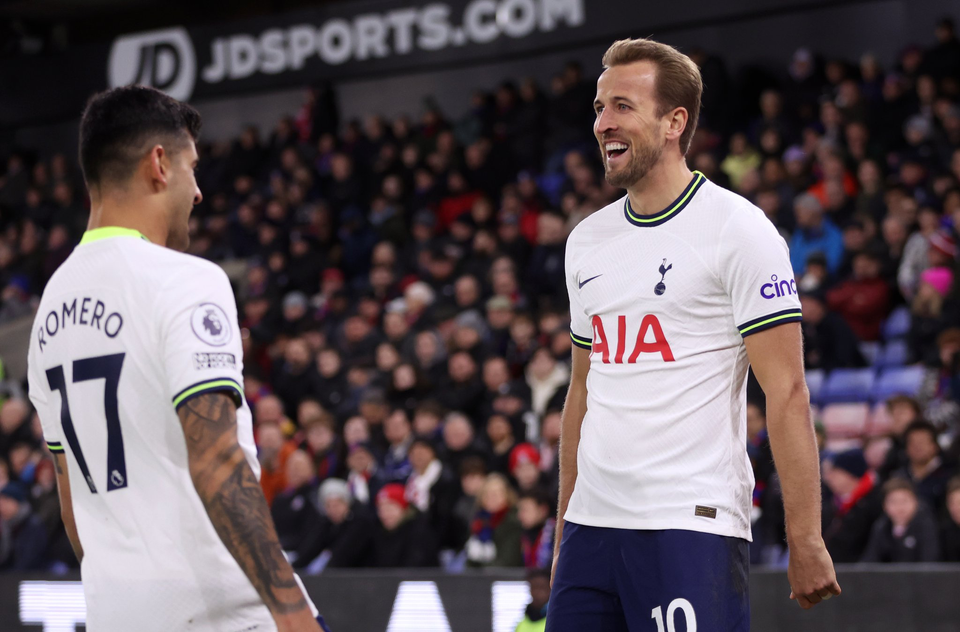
(207, 386)
(580, 341)
(770, 320)
(658, 525)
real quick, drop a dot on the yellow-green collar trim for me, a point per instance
(105, 232)
(671, 211)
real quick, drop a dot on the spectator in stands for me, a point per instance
(852, 503)
(545, 376)
(293, 512)
(14, 426)
(864, 300)
(403, 538)
(344, 535)
(535, 614)
(907, 532)
(363, 473)
(950, 529)
(536, 542)
(495, 531)
(23, 537)
(502, 441)
(432, 489)
(273, 452)
(399, 434)
(814, 233)
(903, 411)
(941, 385)
(829, 343)
(925, 468)
(525, 467)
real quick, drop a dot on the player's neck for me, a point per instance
(118, 211)
(660, 187)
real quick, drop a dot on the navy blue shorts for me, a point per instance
(623, 580)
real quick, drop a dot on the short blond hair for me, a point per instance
(678, 82)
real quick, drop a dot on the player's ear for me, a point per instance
(159, 166)
(676, 123)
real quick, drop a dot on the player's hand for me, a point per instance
(811, 575)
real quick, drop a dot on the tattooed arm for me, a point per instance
(236, 506)
(66, 503)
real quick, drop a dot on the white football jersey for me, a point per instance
(126, 332)
(663, 301)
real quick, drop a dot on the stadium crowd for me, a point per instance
(404, 313)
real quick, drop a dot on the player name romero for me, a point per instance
(86, 312)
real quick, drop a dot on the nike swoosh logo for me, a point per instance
(582, 283)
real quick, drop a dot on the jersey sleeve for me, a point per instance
(581, 331)
(199, 336)
(40, 396)
(755, 270)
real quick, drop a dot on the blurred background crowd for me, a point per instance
(401, 292)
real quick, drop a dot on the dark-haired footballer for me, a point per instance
(135, 368)
(675, 289)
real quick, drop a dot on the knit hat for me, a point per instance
(941, 279)
(14, 491)
(524, 453)
(335, 488)
(394, 493)
(852, 462)
(943, 241)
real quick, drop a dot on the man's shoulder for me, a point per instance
(598, 223)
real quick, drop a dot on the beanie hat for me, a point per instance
(394, 493)
(852, 462)
(524, 453)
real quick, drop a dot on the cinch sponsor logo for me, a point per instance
(776, 289)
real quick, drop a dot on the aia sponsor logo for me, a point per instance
(649, 338)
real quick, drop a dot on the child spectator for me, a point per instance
(925, 468)
(539, 526)
(907, 532)
(495, 531)
(525, 467)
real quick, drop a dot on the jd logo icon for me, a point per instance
(582, 283)
(163, 59)
(661, 286)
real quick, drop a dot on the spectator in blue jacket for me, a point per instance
(23, 538)
(814, 233)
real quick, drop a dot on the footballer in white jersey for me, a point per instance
(135, 369)
(675, 290)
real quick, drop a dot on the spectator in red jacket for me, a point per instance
(864, 300)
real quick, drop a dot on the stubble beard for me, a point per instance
(643, 159)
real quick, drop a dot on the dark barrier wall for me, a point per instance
(875, 599)
(352, 40)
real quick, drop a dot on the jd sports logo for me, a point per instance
(163, 59)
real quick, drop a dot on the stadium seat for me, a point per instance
(893, 354)
(845, 421)
(847, 385)
(815, 378)
(897, 381)
(870, 351)
(880, 421)
(897, 324)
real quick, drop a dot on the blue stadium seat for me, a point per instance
(895, 353)
(897, 324)
(550, 185)
(870, 351)
(895, 381)
(847, 385)
(815, 378)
